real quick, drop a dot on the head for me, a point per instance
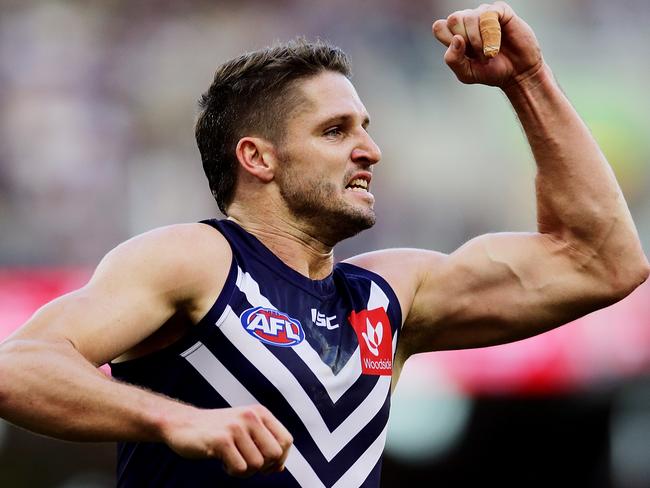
(264, 96)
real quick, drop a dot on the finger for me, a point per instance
(251, 454)
(455, 23)
(441, 32)
(503, 9)
(268, 445)
(457, 26)
(471, 22)
(281, 434)
(490, 33)
(279, 431)
(233, 462)
(457, 61)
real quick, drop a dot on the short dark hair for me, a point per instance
(252, 95)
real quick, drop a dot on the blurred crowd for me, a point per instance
(98, 101)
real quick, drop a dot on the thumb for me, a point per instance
(457, 61)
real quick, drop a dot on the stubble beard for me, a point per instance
(320, 206)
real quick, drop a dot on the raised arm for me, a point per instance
(502, 287)
(49, 382)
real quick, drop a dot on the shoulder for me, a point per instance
(186, 245)
(402, 268)
(182, 260)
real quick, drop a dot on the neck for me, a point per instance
(295, 246)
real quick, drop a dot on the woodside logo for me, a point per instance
(375, 341)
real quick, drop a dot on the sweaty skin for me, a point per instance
(496, 288)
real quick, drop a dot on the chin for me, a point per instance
(328, 213)
(333, 224)
(342, 225)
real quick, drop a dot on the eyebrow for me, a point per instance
(344, 118)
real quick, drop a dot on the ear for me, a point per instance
(257, 157)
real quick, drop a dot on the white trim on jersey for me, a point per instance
(222, 380)
(358, 472)
(236, 395)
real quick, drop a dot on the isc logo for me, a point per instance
(272, 327)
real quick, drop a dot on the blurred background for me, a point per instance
(97, 104)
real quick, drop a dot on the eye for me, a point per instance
(333, 132)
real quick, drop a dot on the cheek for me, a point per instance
(312, 169)
(312, 176)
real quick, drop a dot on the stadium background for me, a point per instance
(97, 102)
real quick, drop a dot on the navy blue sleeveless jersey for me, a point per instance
(317, 353)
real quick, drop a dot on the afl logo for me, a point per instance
(272, 327)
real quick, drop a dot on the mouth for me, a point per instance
(359, 183)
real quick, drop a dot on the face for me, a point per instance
(327, 158)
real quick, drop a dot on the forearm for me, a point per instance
(578, 198)
(51, 389)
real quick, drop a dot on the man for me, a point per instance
(240, 349)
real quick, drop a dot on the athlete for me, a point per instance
(241, 354)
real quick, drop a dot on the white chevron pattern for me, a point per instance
(222, 380)
(330, 443)
(335, 384)
(236, 395)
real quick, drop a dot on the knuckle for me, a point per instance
(235, 429)
(261, 410)
(286, 442)
(273, 453)
(249, 415)
(223, 443)
(453, 19)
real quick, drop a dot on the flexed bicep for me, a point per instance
(500, 288)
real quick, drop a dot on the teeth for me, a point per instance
(358, 182)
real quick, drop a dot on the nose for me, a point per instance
(367, 152)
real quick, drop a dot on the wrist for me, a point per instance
(525, 84)
(165, 419)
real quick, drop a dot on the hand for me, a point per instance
(246, 439)
(519, 58)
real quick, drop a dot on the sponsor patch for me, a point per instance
(272, 327)
(375, 341)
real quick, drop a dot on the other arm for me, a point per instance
(585, 254)
(48, 377)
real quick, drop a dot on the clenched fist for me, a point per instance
(246, 439)
(519, 58)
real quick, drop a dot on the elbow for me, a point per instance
(640, 274)
(5, 376)
(625, 278)
(11, 355)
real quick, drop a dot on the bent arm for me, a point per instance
(49, 388)
(48, 377)
(585, 255)
(579, 202)
(498, 288)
